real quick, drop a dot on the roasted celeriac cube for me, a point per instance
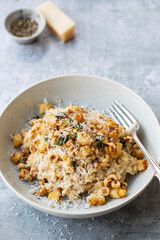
(54, 195)
(142, 165)
(117, 193)
(96, 199)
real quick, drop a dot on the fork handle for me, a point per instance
(151, 160)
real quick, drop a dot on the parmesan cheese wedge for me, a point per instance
(59, 23)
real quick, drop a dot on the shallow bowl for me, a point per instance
(25, 13)
(89, 91)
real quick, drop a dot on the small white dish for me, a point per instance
(25, 13)
(89, 91)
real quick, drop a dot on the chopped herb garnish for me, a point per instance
(79, 126)
(23, 161)
(61, 115)
(37, 117)
(74, 165)
(42, 115)
(65, 124)
(74, 135)
(62, 140)
(66, 138)
(70, 120)
(46, 138)
(100, 143)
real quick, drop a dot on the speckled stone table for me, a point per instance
(115, 39)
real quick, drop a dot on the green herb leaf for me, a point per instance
(70, 120)
(78, 127)
(61, 115)
(74, 165)
(46, 138)
(66, 138)
(62, 140)
(37, 117)
(74, 135)
(100, 143)
(23, 161)
(65, 124)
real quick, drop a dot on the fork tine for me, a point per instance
(119, 117)
(112, 115)
(123, 116)
(124, 110)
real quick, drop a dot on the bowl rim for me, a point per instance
(34, 35)
(96, 212)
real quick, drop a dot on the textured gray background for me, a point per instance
(116, 39)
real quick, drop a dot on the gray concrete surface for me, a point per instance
(115, 39)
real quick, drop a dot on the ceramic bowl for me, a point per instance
(91, 92)
(25, 13)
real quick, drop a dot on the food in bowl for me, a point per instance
(24, 27)
(73, 150)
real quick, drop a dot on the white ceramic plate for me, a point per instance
(89, 91)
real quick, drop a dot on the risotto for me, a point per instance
(73, 150)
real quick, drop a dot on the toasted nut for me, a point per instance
(17, 140)
(32, 122)
(142, 165)
(128, 139)
(107, 182)
(113, 177)
(99, 126)
(97, 165)
(54, 195)
(57, 133)
(124, 185)
(33, 172)
(41, 182)
(16, 157)
(135, 146)
(105, 161)
(42, 191)
(105, 141)
(25, 155)
(24, 173)
(69, 143)
(53, 157)
(43, 107)
(115, 184)
(23, 133)
(32, 148)
(105, 191)
(21, 165)
(96, 199)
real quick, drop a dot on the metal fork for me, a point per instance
(121, 115)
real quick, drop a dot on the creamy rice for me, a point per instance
(73, 150)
